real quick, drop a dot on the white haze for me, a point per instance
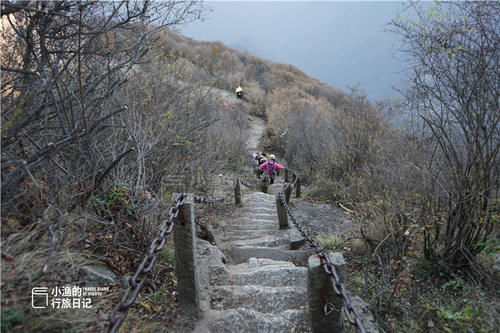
(340, 43)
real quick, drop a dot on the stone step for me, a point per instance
(245, 219)
(241, 254)
(264, 202)
(247, 233)
(268, 200)
(263, 229)
(266, 240)
(269, 225)
(262, 262)
(244, 320)
(258, 197)
(270, 209)
(256, 215)
(259, 271)
(249, 218)
(255, 193)
(260, 298)
(273, 236)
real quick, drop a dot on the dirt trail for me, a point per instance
(256, 128)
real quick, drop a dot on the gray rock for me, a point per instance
(211, 253)
(205, 232)
(366, 316)
(125, 281)
(322, 218)
(98, 275)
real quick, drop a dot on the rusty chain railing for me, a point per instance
(248, 185)
(137, 281)
(328, 267)
(214, 201)
(135, 286)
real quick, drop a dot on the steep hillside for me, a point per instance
(106, 113)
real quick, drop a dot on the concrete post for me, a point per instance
(264, 184)
(286, 176)
(185, 258)
(297, 189)
(288, 193)
(282, 217)
(320, 292)
(237, 193)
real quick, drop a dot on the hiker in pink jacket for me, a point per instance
(271, 166)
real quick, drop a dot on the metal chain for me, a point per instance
(139, 278)
(131, 293)
(294, 184)
(213, 201)
(328, 267)
(248, 185)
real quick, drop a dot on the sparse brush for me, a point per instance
(332, 242)
(41, 264)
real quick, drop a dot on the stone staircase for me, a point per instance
(255, 279)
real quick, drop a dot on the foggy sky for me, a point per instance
(339, 43)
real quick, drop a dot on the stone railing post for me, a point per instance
(297, 188)
(320, 293)
(286, 176)
(288, 193)
(185, 257)
(264, 184)
(237, 193)
(282, 217)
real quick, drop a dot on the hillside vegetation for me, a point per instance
(106, 111)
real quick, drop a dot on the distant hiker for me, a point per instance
(239, 92)
(255, 156)
(260, 159)
(271, 166)
(263, 157)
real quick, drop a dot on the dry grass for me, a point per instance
(39, 264)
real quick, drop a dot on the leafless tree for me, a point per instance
(63, 63)
(454, 52)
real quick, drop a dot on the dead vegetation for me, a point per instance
(97, 132)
